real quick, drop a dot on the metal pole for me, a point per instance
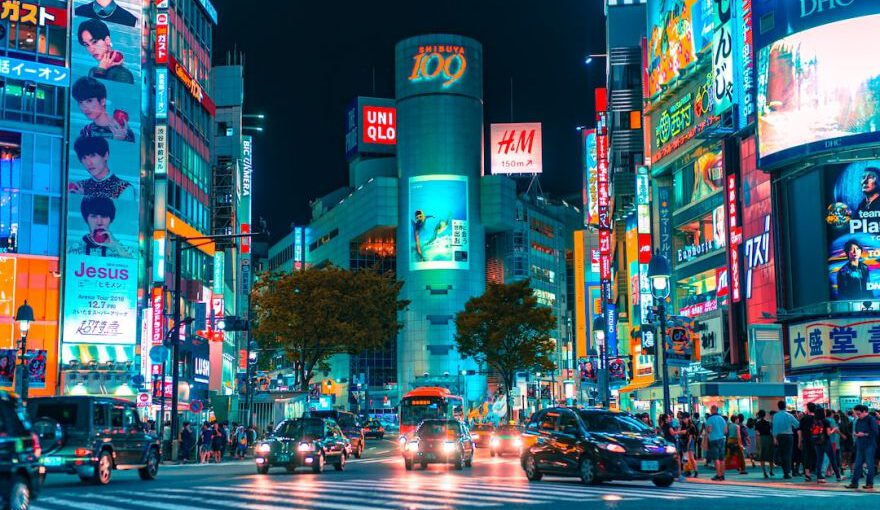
(23, 374)
(606, 383)
(175, 338)
(663, 349)
(247, 337)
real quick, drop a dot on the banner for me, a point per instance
(100, 281)
(834, 342)
(591, 179)
(438, 216)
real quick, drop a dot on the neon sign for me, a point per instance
(191, 85)
(433, 62)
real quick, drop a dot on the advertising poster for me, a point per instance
(438, 219)
(591, 179)
(818, 89)
(853, 226)
(37, 369)
(760, 271)
(100, 293)
(679, 30)
(7, 366)
(516, 148)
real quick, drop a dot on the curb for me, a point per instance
(229, 463)
(831, 486)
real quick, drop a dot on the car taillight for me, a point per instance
(37, 449)
(82, 452)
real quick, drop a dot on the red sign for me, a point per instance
(32, 14)
(722, 285)
(162, 38)
(191, 85)
(245, 242)
(144, 399)
(759, 278)
(380, 125)
(813, 395)
(158, 305)
(699, 308)
(645, 248)
(735, 233)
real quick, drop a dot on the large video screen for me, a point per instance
(438, 217)
(853, 227)
(101, 275)
(818, 90)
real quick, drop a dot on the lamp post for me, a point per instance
(659, 272)
(599, 334)
(24, 316)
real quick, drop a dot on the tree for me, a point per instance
(507, 330)
(314, 314)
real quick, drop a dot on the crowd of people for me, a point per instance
(815, 442)
(212, 440)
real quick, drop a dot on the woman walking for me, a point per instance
(822, 431)
(764, 440)
(735, 447)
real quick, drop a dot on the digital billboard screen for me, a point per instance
(438, 217)
(679, 32)
(591, 178)
(101, 270)
(818, 90)
(852, 220)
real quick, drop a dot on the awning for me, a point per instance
(744, 389)
(637, 385)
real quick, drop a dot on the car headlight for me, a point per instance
(402, 440)
(449, 446)
(613, 447)
(517, 442)
(494, 441)
(304, 447)
(264, 448)
(412, 446)
(476, 436)
(671, 449)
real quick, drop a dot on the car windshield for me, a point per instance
(439, 428)
(303, 427)
(614, 423)
(346, 421)
(65, 413)
(508, 429)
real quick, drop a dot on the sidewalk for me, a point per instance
(755, 477)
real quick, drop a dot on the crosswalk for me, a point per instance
(434, 491)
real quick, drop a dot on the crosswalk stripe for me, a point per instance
(187, 494)
(399, 488)
(313, 490)
(64, 503)
(142, 503)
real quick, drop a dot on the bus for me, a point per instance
(426, 403)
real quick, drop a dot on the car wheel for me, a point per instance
(318, 466)
(150, 471)
(458, 464)
(664, 481)
(264, 468)
(408, 464)
(19, 497)
(531, 469)
(103, 469)
(340, 464)
(587, 472)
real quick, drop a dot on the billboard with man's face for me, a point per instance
(438, 222)
(101, 270)
(853, 227)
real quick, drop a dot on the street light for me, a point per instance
(599, 332)
(659, 272)
(24, 316)
(589, 58)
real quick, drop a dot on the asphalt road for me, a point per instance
(379, 481)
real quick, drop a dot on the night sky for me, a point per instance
(305, 61)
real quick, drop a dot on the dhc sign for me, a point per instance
(810, 7)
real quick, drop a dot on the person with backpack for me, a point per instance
(241, 443)
(821, 432)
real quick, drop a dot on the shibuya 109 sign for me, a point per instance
(444, 63)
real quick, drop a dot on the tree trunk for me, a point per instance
(508, 386)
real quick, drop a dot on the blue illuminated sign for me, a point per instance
(209, 8)
(162, 93)
(611, 329)
(34, 71)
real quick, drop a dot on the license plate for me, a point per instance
(650, 465)
(283, 458)
(430, 456)
(53, 461)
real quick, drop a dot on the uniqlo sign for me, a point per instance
(162, 38)
(380, 125)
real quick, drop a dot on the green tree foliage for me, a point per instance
(507, 330)
(314, 314)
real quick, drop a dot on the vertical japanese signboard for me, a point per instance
(591, 179)
(101, 275)
(722, 56)
(735, 232)
(643, 211)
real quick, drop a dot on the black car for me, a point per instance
(596, 445)
(374, 428)
(350, 426)
(92, 436)
(439, 442)
(21, 474)
(303, 442)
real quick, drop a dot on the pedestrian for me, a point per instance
(218, 442)
(821, 433)
(866, 436)
(688, 439)
(241, 442)
(716, 429)
(764, 442)
(847, 445)
(806, 441)
(252, 436)
(783, 426)
(698, 426)
(206, 440)
(735, 447)
(750, 440)
(834, 435)
(187, 441)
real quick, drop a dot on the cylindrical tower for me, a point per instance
(440, 238)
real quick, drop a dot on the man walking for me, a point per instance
(716, 429)
(865, 433)
(783, 436)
